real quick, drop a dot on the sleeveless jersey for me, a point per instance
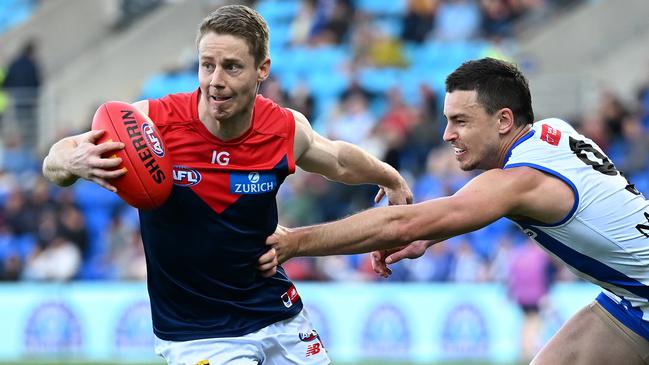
(605, 237)
(202, 245)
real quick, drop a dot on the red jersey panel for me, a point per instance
(202, 160)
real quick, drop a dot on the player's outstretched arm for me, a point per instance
(488, 197)
(343, 162)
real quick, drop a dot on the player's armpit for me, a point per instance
(542, 197)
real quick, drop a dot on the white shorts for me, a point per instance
(291, 341)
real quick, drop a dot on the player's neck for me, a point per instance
(515, 136)
(227, 129)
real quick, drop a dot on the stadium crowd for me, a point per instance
(368, 74)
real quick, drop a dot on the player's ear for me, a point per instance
(263, 70)
(505, 120)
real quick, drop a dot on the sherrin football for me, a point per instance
(148, 181)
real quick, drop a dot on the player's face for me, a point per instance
(228, 77)
(471, 131)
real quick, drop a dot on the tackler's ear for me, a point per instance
(506, 120)
(263, 70)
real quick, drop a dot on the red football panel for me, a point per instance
(136, 187)
(131, 187)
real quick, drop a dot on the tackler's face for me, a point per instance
(471, 131)
(228, 76)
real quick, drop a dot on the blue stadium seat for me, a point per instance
(277, 11)
(24, 245)
(486, 240)
(280, 35)
(6, 248)
(427, 187)
(386, 7)
(379, 80)
(163, 84)
(326, 85)
(392, 26)
(14, 12)
(326, 58)
(97, 205)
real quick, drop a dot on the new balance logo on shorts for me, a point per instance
(313, 349)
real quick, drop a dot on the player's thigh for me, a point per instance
(215, 351)
(294, 342)
(588, 339)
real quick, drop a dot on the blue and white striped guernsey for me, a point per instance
(605, 237)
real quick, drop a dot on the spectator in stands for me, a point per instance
(635, 146)
(352, 121)
(272, 89)
(56, 257)
(301, 98)
(72, 227)
(23, 83)
(528, 285)
(10, 260)
(426, 133)
(395, 127)
(18, 216)
(129, 261)
(501, 260)
(332, 22)
(435, 265)
(374, 47)
(594, 127)
(4, 99)
(468, 267)
(17, 157)
(419, 20)
(303, 23)
(643, 99)
(612, 112)
(355, 88)
(59, 260)
(457, 20)
(497, 18)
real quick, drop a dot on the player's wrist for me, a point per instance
(395, 180)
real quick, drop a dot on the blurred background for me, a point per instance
(370, 72)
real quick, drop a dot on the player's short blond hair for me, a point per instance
(239, 21)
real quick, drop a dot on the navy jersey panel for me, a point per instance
(203, 244)
(202, 268)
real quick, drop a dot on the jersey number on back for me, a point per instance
(584, 151)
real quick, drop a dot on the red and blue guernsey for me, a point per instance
(202, 245)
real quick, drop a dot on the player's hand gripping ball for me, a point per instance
(148, 181)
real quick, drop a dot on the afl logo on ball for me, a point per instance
(152, 140)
